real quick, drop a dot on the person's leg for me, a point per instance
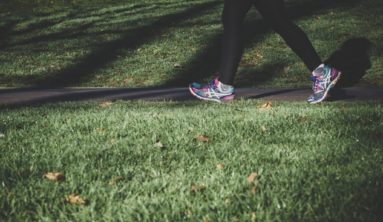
(233, 15)
(324, 77)
(274, 13)
(221, 89)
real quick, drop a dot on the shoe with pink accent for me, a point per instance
(324, 78)
(212, 91)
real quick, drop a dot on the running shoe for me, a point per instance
(324, 78)
(211, 91)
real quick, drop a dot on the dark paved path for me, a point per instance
(10, 96)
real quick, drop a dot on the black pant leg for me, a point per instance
(273, 12)
(232, 46)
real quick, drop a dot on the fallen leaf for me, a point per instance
(303, 118)
(2, 135)
(220, 166)
(197, 188)
(205, 219)
(188, 214)
(55, 176)
(286, 69)
(259, 55)
(159, 145)
(75, 200)
(266, 106)
(263, 128)
(115, 180)
(128, 80)
(113, 141)
(105, 104)
(100, 130)
(253, 216)
(201, 138)
(177, 65)
(253, 190)
(252, 177)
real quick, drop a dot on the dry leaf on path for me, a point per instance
(252, 177)
(266, 106)
(201, 138)
(55, 176)
(75, 200)
(105, 104)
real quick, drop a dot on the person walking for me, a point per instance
(221, 89)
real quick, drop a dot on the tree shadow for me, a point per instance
(67, 33)
(5, 33)
(352, 59)
(39, 25)
(109, 51)
(206, 61)
(78, 31)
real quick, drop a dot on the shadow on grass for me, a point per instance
(39, 25)
(352, 59)
(109, 51)
(203, 64)
(56, 36)
(81, 30)
(206, 62)
(5, 33)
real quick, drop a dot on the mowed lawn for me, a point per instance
(192, 161)
(186, 161)
(153, 43)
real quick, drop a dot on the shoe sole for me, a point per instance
(207, 99)
(332, 84)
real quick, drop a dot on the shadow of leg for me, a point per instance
(248, 77)
(206, 62)
(352, 59)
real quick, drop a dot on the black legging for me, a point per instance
(274, 13)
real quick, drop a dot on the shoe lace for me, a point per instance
(320, 82)
(212, 84)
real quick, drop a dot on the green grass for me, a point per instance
(314, 163)
(150, 43)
